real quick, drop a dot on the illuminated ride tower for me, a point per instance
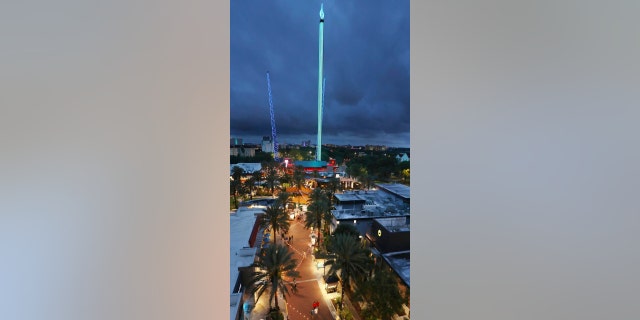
(273, 121)
(320, 86)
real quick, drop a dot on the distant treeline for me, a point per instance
(259, 158)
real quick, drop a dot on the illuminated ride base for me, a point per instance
(311, 165)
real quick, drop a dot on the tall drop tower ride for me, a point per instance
(320, 85)
(273, 121)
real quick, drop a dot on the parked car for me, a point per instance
(331, 283)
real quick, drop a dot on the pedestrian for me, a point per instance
(294, 284)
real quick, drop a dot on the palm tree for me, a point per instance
(298, 177)
(257, 176)
(381, 294)
(318, 210)
(351, 258)
(236, 184)
(343, 228)
(237, 173)
(272, 175)
(285, 180)
(333, 186)
(250, 184)
(283, 199)
(275, 218)
(275, 262)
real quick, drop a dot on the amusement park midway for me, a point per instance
(310, 283)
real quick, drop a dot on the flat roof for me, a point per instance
(394, 224)
(398, 189)
(241, 224)
(348, 197)
(400, 262)
(369, 204)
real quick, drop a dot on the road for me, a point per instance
(310, 284)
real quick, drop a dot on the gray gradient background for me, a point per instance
(113, 169)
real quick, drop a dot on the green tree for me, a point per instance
(406, 175)
(275, 218)
(381, 294)
(343, 228)
(257, 176)
(333, 186)
(283, 199)
(361, 173)
(385, 166)
(318, 209)
(347, 228)
(250, 185)
(273, 264)
(285, 180)
(236, 183)
(351, 259)
(298, 177)
(271, 175)
(367, 180)
(354, 169)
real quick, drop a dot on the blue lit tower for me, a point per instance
(273, 120)
(320, 86)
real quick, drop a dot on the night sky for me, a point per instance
(366, 66)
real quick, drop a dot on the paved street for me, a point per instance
(310, 284)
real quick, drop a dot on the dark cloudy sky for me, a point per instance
(366, 66)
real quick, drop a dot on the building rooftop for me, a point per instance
(369, 204)
(395, 224)
(400, 262)
(311, 164)
(240, 226)
(398, 189)
(344, 197)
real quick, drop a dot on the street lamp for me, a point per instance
(318, 265)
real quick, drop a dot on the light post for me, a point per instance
(323, 266)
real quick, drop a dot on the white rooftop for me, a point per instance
(240, 226)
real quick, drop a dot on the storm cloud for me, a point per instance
(366, 66)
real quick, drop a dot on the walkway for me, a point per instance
(310, 284)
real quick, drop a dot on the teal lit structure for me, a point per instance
(320, 85)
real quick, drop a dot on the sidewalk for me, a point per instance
(261, 309)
